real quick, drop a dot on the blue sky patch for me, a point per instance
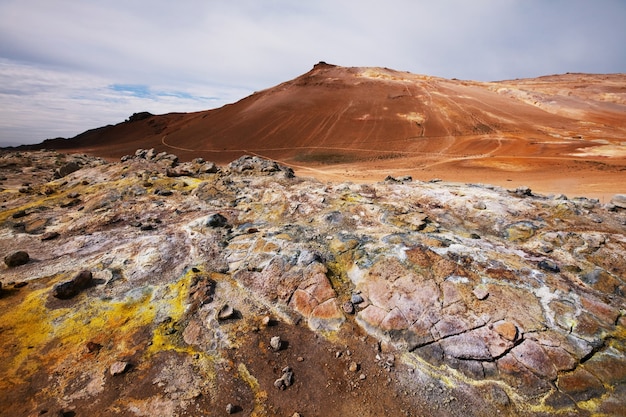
(137, 90)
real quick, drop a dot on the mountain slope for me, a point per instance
(340, 118)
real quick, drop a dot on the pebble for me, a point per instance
(356, 299)
(353, 367)
(230, 409)
(118, 367)
(348, 307)
(93, 346)
(275, 343)
(481, 292)
(49, 236)
(549, 265)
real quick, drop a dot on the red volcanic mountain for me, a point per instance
(365, 123)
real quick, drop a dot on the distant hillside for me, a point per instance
(341, 118)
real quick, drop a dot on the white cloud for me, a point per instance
(59, 59)
(38, 103)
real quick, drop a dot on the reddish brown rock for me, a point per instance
(303, 302)
(372, 315)
(507, 330)
(326, 316)
(580, 385)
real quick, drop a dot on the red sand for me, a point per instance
(556, 134)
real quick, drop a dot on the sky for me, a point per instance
(71, 65)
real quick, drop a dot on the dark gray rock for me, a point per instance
(67, 169)
(49, 236)
(549, 265)
(216, 220)
(356, 299)
(16, 259)
(619, 200)
(71, 288)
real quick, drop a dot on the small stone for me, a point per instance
(280, 384)
(70, 289)
(118, 368)
(20, 214)
(481, 292)
(275, 343)
(93, 346)
(225, 312)
(348, 307)
(523, 191)
(49, 236)
(356, 299)
(550, 266)
(230, 409)
(353, 367)
(67, 169)
(216, 220)
(300, 359)
(16, 259)
(362, 377)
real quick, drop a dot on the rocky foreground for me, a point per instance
(148, 287)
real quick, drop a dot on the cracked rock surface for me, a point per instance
(491, 301)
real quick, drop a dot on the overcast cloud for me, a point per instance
(67, 66)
